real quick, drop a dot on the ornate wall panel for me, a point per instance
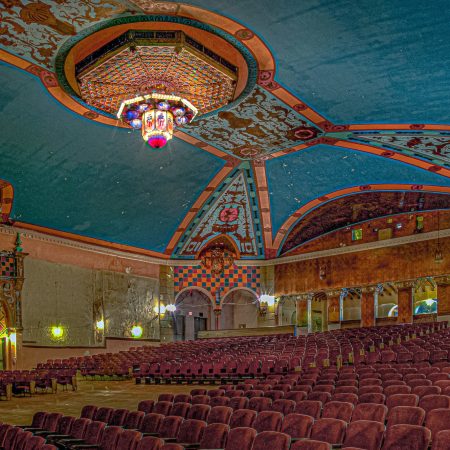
(233, 277)
(409, 261)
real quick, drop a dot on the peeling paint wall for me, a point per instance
(68, 296)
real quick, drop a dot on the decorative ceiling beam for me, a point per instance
(201, 200)
(293, 219)
(259, 169)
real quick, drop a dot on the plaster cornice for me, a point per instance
(350, 249)
(35, 235)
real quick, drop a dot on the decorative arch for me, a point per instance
(425, 296)
(196, 288)
(385, 199)
(220, 239)
(243, 288)
(387, 301)
(244, 310)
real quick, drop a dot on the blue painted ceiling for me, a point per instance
(300, 177)
(72, 174)
(362, 61)
(367, 61)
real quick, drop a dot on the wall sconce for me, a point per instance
(57, 331)
(100, 324)
(161, 310)
(136, 331)
(171, 308)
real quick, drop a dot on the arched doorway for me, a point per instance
(239, 310)
(387, 305)
(352, 306)
(287, 310)
(193, 314)
(425, 297)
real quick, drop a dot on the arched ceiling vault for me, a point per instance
(340, 100)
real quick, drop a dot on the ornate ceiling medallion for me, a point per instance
(154, 80)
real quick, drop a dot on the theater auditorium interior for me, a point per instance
(224, 225)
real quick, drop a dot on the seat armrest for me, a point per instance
(57, 437)
(72, 441)
(87, 446)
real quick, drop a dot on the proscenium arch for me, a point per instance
(288, 226)
(196, 288)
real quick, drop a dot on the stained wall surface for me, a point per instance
(75, 298)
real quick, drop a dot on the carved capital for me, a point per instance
(404, 284)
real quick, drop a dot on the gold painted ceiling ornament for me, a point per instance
(143, 62)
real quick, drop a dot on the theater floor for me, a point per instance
(117, 394)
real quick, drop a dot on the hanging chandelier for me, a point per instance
(156, 115)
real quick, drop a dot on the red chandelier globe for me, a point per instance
(156, 115)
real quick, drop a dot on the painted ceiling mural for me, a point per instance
(434, 147)
(34, 30)
(348, 103)
(260, 125)
(357, 208)
(232, 210)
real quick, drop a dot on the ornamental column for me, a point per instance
(343, 294)
(217, 314)
(309, 299)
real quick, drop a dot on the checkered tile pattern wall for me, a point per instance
(7, 266)
(233, 277)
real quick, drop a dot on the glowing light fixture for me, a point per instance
(136, 331)
(100, 324)
(171, 308)
(156, 115)
(161, 310)
(57, 332)
(13, 338)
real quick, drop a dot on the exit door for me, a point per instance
(180, 328)
(200, 324)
